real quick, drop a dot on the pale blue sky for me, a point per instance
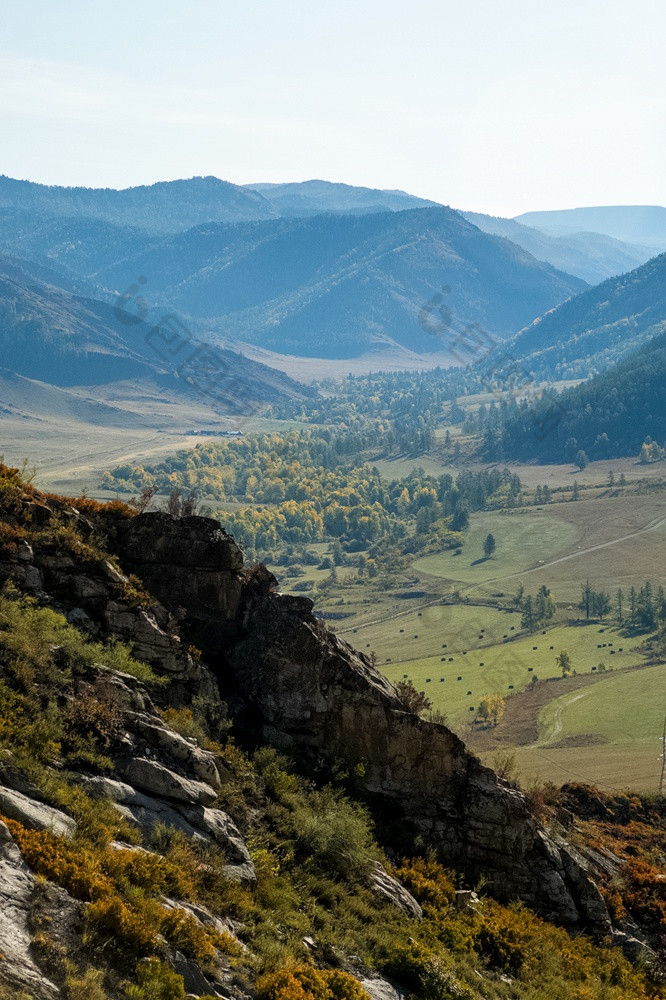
(494, 105)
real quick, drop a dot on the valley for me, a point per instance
(332, 501)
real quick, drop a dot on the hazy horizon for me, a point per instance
(325, 180)
(482, 108)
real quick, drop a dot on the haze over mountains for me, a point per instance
(49, 334)
(314, 270)
(596, 328)
(326, 285)
(642, 224)
(589, 255)
(338, 286)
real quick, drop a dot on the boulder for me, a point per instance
(202, 763)
(384, 885)
(220, 828)
(156, 779)
(18, 968)
(35, 815)
(380, 989)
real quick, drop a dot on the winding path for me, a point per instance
(651, 526)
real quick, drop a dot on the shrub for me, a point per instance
(413, 700)
(408, 964)
(185, 933)
(335, 833)
(93, 717)
(155, 981)
(133, 930)
(427, 881)
(62, 862)
(86, 986)
(149, 872)
(501, 944)
(302, 982)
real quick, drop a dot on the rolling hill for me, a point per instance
(642, 224)
(596, 328)
(49, 334)
(607, 416)
(337, 286)
(590, 256)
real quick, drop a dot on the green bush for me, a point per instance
(155, 981)
(336, 834)
(88, 986)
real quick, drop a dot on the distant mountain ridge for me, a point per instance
(596, 328)
(590, 256)
(164, 207)
(641, 224)
(336, 286)
(316, 196)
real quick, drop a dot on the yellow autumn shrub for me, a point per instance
(303, 982)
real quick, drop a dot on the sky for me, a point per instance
(499, 106)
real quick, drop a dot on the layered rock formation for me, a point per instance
(296, 685)
(308, 692)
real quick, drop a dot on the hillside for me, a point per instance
(147, 855)
(49, 334)
(314, 197)
(642, 224)
(336, 286)
(590, 256)
(165, 207)
(607, 417)
(592, 330)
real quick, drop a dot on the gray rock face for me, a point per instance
(18, 968)
(202, 763)
(392, 891)
(151, 643)
(35, 815)
(157, 780)
(380, 989)
(197, 821)
(192, 562)
(318, 697)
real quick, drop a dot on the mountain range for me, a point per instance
(325, 285)
(642, 224)
(337, 286)
(591, 256)
(314, 270)
(593, 330)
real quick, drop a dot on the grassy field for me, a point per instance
(455, 680)
(624, 709)
(608, 734)
(522, 537)
(615, 540)
(415, 635)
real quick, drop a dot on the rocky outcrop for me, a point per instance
(187, 563)
(308, 692)
(35, 815)
(316, 697)
(93, 593)
(17, 889)
(296, 685)
(388, 888)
